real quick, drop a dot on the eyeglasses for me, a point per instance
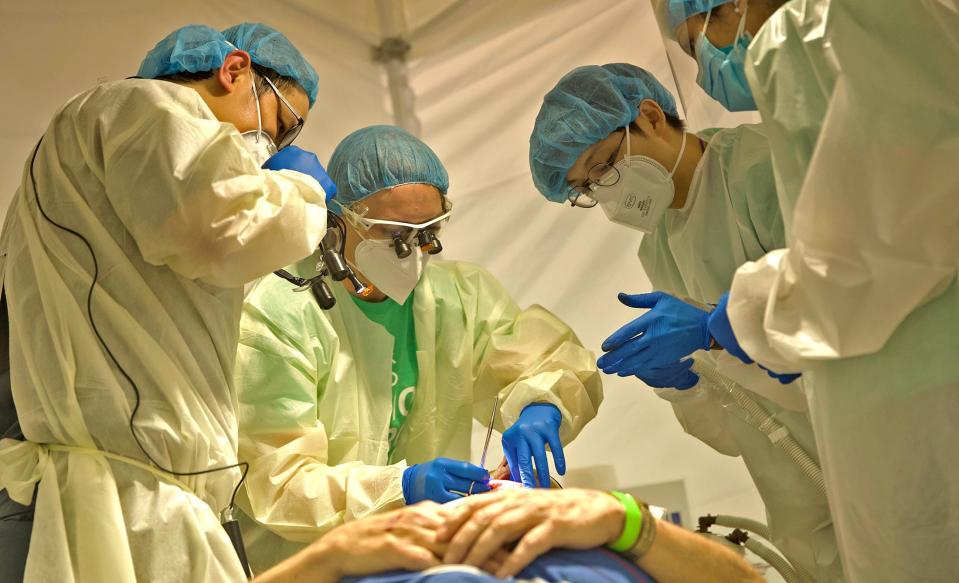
(286, 138)
(400, 233)
(601, 174)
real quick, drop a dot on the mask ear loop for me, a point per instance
(628, 152)
(256, 100)
(679, 158)
(742, 25)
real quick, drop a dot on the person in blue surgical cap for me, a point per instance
(143, 212)
(716, 33)
(368, 406)
(865, 296)
(864, 300)
(610, 137)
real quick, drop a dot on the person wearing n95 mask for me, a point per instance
(635, 191)
(723, 212)
(368, 406)
(864, 299)
(123, 258)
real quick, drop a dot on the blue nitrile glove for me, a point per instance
(436, 480)
(524, 442)
(784, 378)
(672, 376)
(294, 158)
(722, 330)
(671, 330)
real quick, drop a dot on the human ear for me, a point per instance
(234, 70)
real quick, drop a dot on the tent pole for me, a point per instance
(391, 54)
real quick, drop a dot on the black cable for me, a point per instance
(15, 514)
(136, 390)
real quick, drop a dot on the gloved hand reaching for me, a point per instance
(524, 442)
(300, 160)
(671, 330)
(439, 479)
(722, 330)
(672, 376)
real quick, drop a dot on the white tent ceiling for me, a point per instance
(476, 72)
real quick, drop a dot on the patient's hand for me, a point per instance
(540, 520)
(402, 539)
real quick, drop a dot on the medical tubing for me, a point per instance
(93, 324)
(761, 419)
(775, 560)
(756, 528)
(747, 524)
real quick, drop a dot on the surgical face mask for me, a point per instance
(258, 142)
(722, 71)
(393, 276)
(642, 194)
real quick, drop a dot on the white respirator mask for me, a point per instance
(395, 277)
(642, 194)
(258, 142)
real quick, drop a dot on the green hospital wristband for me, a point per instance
(632, 525)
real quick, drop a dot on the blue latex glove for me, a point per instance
(293, 158)
(672, 376)
(436, 480)
(524, 442)
(722, 330)
(663, 336)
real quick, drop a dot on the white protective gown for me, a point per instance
(732, 216)
(315, 395)
(859, 98)
(178, 216)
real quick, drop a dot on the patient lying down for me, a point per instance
(513, 532)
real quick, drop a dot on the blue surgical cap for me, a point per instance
(269, 48)
(587, 105)
(680, 10)
(379, 157)
(191, 49)
(196, 48)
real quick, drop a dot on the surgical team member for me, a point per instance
(707, 204)
(864, 300)
(368, 406)
(717, 33)
(141, 214)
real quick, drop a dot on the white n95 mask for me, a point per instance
(642, 194)
(259, 145)
(393, 276)
(258, 142)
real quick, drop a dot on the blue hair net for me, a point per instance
(191, 49)
(269, 48)
(680, 10)
(378, 157)
(587, 105)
